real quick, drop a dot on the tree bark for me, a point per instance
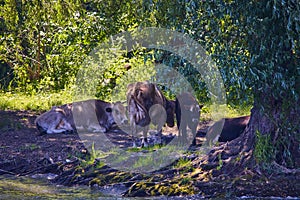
(280, 124)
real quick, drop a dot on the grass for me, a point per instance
(149, 148)
(36, 102)
(182, 162)
(216, 112)
(30, 147)
(44, 101)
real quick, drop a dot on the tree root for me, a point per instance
(284, 170)
(229, 158)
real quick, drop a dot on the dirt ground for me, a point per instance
(24, 152)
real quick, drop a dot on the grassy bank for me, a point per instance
(44, 101)
(36, 102)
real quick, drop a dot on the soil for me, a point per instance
(23, 151)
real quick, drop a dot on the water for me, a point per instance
(12, 187)
(28, 188)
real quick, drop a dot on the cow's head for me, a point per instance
(137, 112)
(145, 94)
(140, 97)
(119, 113)
(193, 111)
(110, 118)
(104, 113)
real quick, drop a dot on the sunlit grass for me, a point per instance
(44, 101)
(149, 148)
(36, 102)
(216, 112)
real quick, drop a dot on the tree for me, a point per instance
(256, 45)
(273, 37)
(34, 33)
(270, 38)
(45, 42)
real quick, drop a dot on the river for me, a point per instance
(38, 187)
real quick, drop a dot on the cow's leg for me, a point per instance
(194, 131)
(52, 130)
(159, 132)
(133, 134)
(53, 126)
(183, 131)
(184, 135)
(145, 139)
(67, 126)
(179, 131)
(59, 126)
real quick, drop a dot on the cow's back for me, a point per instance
(233, 128)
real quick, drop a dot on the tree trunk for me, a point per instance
(275, 121)
(280, 120)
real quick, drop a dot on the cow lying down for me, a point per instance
(226, 129)
(89, 115)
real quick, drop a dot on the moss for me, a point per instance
(121, 177)
(164, 188)
(174, 189)
(95, 181)
(112, 177)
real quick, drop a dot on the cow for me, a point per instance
(146, 103)
(90, 115)
(53, 121)
(227, 129)
(187, 111)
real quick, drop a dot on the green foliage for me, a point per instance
(29, 41)
(220, 165)
(184, 165)
(274, 49)
(45, 42)
(182, 162)
(264, 149)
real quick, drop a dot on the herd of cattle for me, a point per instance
(145, 104)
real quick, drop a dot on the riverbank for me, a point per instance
(24, 152)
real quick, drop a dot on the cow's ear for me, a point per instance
(108, 110)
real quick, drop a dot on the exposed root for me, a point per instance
(229, 158)
(284, 170)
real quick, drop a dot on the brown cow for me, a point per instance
(187, 112)
(90, 115)
(146, 103)
(227, 129)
